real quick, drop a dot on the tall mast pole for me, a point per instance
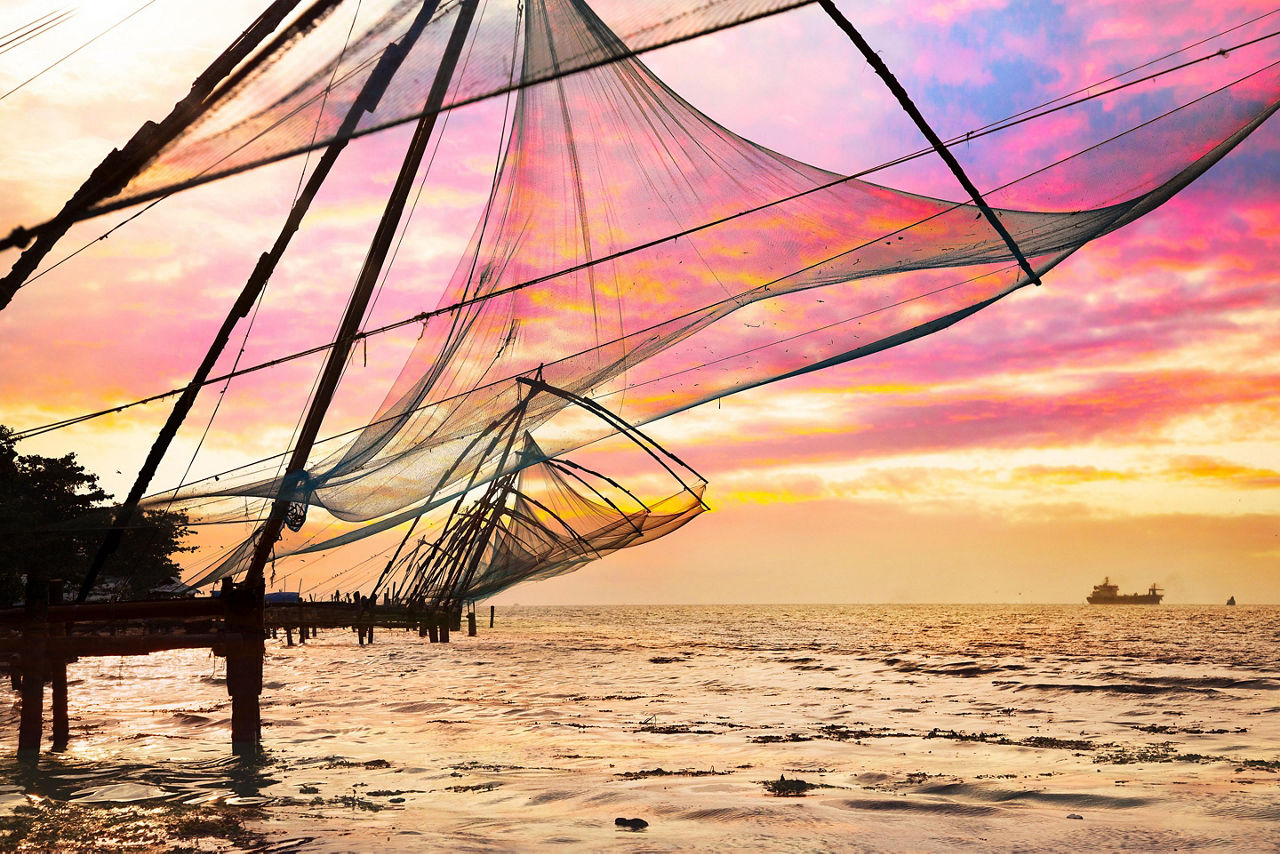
(246, 600)
(121, 165)
(361, 294)
(904, 100)
(367, 101)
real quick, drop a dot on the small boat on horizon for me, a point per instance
(1231, 600)
(1107, 593)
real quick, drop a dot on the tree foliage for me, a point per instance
(53, 516)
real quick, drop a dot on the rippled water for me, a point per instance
(919, 728)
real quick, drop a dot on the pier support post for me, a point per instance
(35, 636)
(471, 624)
(61, 720)
(244, 664)
(490, 616)
(58, 679)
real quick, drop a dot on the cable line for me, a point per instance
(58, 62)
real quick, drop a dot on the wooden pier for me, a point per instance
(39, 640)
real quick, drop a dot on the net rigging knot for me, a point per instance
(296, 516)
(19, 237)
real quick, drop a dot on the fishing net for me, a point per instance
(639, 255)
(307, 81)
(547, 518)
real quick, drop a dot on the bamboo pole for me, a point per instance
(295, 474)
(374, 88)
(904, 100)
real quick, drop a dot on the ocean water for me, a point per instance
(915, 728)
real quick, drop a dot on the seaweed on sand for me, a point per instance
(674, 729)
(793, 788)
(662, 772)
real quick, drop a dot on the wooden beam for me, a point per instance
(93, 646)
(95, 612)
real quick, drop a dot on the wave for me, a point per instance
(1107, 688)
(961, 669)
(914, 805)
(1071, 799)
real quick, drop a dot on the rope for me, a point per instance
(46, 22)
(58, 62)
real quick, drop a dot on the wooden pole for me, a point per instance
(35, 636)
(904, 100)
(58, 679)
(246, 727)
(295, 474)
(61, 719)
(368, 98)
(244, 663)
(490, 616)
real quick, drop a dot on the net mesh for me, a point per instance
(548, 518)
(638, 254)
(297, 98)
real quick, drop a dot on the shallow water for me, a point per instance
(920, 728)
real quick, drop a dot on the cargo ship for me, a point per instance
(1106, 594)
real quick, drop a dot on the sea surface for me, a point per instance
(886, 728)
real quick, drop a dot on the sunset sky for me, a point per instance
(1121, 420)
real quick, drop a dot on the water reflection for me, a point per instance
(234, 780)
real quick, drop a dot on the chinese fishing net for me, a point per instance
(642, 256)
(547, 518)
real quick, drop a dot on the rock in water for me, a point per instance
(631, 823)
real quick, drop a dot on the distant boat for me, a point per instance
(1231, 601)
(1107, 593)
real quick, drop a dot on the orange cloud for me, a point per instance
(1223, 471)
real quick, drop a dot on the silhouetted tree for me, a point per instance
(53, 515)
